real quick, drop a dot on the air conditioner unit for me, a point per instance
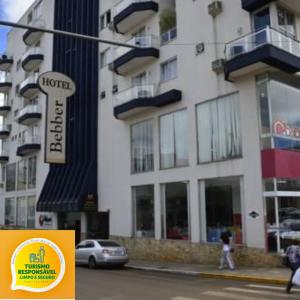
(218, 65)
(215, 8)
(111, 26)
(200, 48)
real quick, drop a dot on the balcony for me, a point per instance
(3, 157)
(4, 132)
(28, 145)
(130, 13)
(4, 106)
(5, 62)
(29, 115)
(32, 58)
(31, 36)
(168, 36)
(260, 51)
(5, 83)
(29, 87)
(252, 5)
(140, 98)
(130, 59)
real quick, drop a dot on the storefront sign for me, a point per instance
(253, 214)
(282, 128)
(90, 203)
(58, 87)
(45, 220)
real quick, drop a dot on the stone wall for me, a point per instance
(188, 252)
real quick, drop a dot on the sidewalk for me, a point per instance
(278, 276)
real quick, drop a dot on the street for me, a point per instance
(126, 284)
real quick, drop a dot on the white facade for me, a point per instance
(38, 55)
(198, 84)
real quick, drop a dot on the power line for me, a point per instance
(67, 33)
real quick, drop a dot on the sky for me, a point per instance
(11, 10)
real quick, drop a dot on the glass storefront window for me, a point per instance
(218, 124)
(22, 175)
(21, 211)
(11, 177)
(10, 211)
(176, 211)
(31, 212)
(143, 197)
(279, 107)
(223, 208)
(142, 147)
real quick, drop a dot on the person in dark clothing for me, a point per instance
(293, 254)
(226, 256)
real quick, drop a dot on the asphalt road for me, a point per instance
(126, 284)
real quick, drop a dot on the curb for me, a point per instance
(225, 276)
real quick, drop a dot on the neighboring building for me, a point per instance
(199, 127)
(60, 193)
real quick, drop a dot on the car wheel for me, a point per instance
(92, 263)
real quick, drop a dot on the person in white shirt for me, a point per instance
(226, 257)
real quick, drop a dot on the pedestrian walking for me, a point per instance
(293, 254)
(226, 254)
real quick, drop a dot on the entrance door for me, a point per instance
(70, 221)
(98, 225)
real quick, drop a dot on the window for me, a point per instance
(29, 18)
(21, 211)
(176, 211)
(168, 70)
(10, 177)
(173, 140)
(18, 65)
(280, 125)
(104, 59)
(10, 211)
(143, 197)
(31, 212)
(286, 21)
(218, 123)
(223, 208)
(105, 19)
(22, 175)
(142, 147)
(32, 172)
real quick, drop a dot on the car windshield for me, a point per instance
(108, 244)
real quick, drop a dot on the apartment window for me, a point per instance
(104, 58)
(176, 220)
(31, 211)
(143, 197)
(168, 70)
(29, 18)
(21, 211)
(10, 177)
(32, 172)
(17, 90)
(22, 172)
(286, 21)
(142, 147)
(218, 123)
(223, 208)
(105, 19)
(18, 65)
(173, 140)
(10, 211)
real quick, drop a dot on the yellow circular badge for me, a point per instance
(37, 265)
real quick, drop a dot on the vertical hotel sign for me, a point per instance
(58, 87)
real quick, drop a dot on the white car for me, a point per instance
(100, 252)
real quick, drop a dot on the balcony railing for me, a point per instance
(142, 91)
(124, 4)
(4, 100)
(169, 35)
(30, 80)
(5, 77)
(37, 22)
(4, 128)
(147, 41)
(30, 139)
(32, 51)
(29, 109)
(3, 153)
(260, 38)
